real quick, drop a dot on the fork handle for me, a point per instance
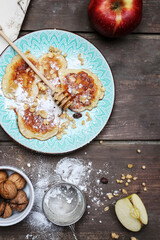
(40, 75)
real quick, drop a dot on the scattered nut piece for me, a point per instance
(56, 49)
(42, 113)
(120, 181)
(124, 191)
(116, 194)
(143, 167)
(59, 136)
(10, 107)
(106, 209)
(130, 165)
(138, 150)
(26, 106)
(103, 89)
(133, 238)
(129, 176)
(42, 87)
(83, 122)
(117, 180)
(46, 122)
(128, 180)
(126, 184)
(123, 177)
(73, 126)
(110, 195)
(34, 104)
(80, 59)
(32, 110)
(65, 55)
(135, 178)
(145, 189)
(143, 184)
(88, 115)
(28, 51)
(101, 142)
(51, 48)
(50, 54)
(114, 235)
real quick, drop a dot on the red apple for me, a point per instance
(115, 18)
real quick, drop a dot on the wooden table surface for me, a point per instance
(134, 124)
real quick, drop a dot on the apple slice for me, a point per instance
(131, 212)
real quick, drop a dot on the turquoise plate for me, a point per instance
(38, 43)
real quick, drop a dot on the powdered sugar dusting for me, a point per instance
(74, 171)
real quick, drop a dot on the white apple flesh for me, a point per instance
(131, 212)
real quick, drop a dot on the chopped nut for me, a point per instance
(83, 122)
(145, 189)
(26, 106)
(124, 191)
(123, 177)
(138, 150)
(45, 122)
(143, 167)
(106, 209)
(56, 49)
(110, 195)
(143, 184)
(64, 132)
(103, 89)
(116, 194)
(34, 104)
(130, 165)
(50, 54)
(51, 48)
(133, 238)
(42, 113)
(128, 180)
(114, 235)
(118, 181)
(45, 96)
(129, 176)
(39, 96)
(88, 115)
(65, 55)
(100, 142)
(32, 110)
(126, 184)
(73, 126)
(28, 51)
(42, 87)
(59, 136)
(52, 71)
(80, 59)
(63, 115)
(10, 107)
(135, 178)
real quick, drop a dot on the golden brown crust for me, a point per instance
(17, 72)
(83, 86)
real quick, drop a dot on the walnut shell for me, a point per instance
(3, 176)
(20, 202)
(8, 189)
(8, 211)
(2, 206)
(18, 180)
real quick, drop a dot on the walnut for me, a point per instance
(2, 206)
(20, 202)
(42, 113)
(42, 87)
(18, 180)
(3, 176)
(8, 189)
(7, 211)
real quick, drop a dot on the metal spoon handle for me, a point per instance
(73, 232)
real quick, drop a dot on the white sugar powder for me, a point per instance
(74, 171)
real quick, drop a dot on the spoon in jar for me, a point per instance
(64, 204)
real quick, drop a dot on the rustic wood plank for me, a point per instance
(135, 64)
(72, 15)
(112, 159)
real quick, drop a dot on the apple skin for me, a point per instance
(115, 18)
